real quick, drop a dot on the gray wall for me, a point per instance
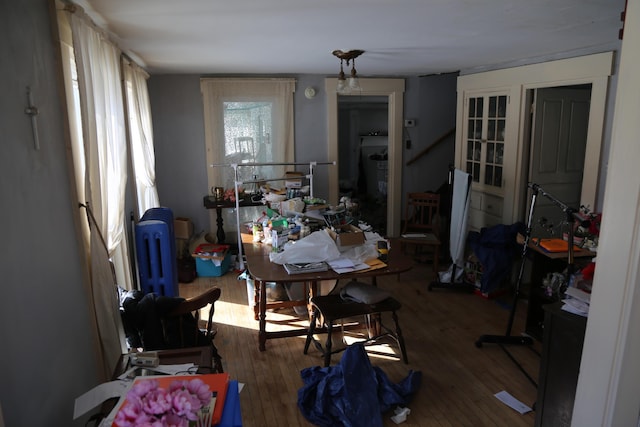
(178, 126)
(47, 357)
(437, 106)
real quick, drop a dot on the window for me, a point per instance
(247, 121)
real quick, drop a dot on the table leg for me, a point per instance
(256, 299)
(220, 232)
(262, 334)
(312, 288)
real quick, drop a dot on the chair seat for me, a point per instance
(330, 308)
(333, 307)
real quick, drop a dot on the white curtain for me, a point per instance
(103, 132)
(141, 136)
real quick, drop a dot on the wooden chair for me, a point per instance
(190, 334)
(330, 308)
(421, 224)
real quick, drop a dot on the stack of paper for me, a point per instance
(577, 302)
(345, 265)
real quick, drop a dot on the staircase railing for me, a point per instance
(441, 138)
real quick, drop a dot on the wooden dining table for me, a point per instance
(263, 271)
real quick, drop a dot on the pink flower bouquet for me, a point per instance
(147, 404)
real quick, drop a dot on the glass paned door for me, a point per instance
(496, 121)
(486, 125)
(474, 137)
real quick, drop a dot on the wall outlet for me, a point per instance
(409, 123)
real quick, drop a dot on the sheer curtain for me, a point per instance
(104, 141)
(140, 136)
(246, 121)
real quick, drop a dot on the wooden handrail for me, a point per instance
(436, 142)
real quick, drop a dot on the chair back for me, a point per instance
(192, 307)
(422, 213)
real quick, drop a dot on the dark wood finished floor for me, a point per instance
(440, 329)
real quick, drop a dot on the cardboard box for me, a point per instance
(348, 235)
(293, 179)
(183, 228)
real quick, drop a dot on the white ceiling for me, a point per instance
(400, 37)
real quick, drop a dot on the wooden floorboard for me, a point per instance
(440, 327)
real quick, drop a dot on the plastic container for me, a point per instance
(212, 260)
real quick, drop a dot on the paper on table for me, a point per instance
(579, 295)
(512, 402)
(576, 307)
(97, 395)
(345, 265)
(160, 369)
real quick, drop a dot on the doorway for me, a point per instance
(558, 130)
(393, 91)
(363, 153)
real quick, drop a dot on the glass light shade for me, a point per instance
(354, 83)
(342, 86)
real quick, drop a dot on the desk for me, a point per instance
(262, 270)
(544, 262)
(560, 365)
(210, 202)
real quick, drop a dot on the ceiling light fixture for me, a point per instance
(347, 85)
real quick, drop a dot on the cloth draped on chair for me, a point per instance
(353, 393)
(496, 247)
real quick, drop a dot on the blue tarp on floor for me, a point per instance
(353, 393)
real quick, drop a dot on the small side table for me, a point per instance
(210, 202)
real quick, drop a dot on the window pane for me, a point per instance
(500, 135)
(247, 130)
(502, 106)
(490, 148)
(476, 152)
(491, 130)
(488, 175)
(498, 177)
(499, 154)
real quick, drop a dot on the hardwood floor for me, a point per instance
(440, 327)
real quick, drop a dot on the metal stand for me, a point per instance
(507, 338)
(238, 183)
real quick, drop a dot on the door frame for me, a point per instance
(393, 89)
(592, 69)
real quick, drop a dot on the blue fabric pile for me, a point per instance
(353, 393)
(496, 248)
